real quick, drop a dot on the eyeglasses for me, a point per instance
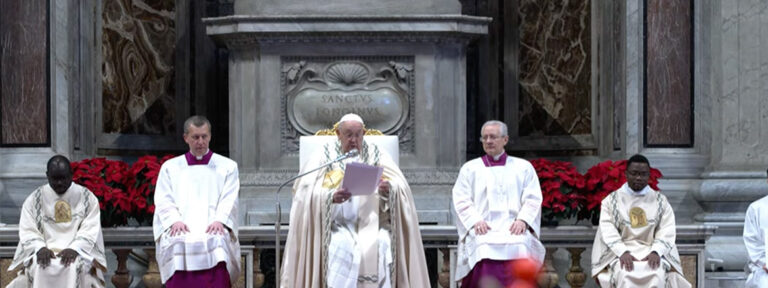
(489, 138)
(638, 174)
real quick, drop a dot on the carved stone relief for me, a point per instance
(317, 91)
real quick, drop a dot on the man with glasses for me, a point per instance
(497, 199)
(635, 243)
(755, 223)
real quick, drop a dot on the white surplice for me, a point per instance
(197, 195)
(498, 195)
(38, 228)
(654, 230)
(755, 229)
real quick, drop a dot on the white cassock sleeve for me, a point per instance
(753, 237)
(665, 236)
(531, 198)
(466, 210)
(226, 210)
(30, 237)
(88, 232)
(165, 205)
(608, 232)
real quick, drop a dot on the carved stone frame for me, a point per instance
(300, 72)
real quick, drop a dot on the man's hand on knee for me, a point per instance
(67, 256)
(44, 256)
(178, 228)
(518, 227)
(481, 227)
(216, 228)
(627, 260)
(653, 259)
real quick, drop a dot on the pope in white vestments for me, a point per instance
(635, 242)
(755, 229)
(338, 240)
(195, 223)
(498, 207)
(60, 241)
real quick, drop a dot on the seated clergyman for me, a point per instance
(635, 242)
(340, 240)
(60, 241)
(755, 225)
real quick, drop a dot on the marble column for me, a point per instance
(736, 174)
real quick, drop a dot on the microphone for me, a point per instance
(352, 153)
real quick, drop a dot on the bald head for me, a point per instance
(59, 174)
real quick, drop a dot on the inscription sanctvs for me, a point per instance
(348, 99)
(382, 108)
(317, 91)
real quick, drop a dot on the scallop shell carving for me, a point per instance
(347, 74)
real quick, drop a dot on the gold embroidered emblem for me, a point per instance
(333, 179)
(637, 217)
(62, 212)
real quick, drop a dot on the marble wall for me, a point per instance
(138, 49)
(24, 72)
(742, 134)
(555, 68)
(668, 75)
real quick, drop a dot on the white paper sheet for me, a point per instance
(361, 179)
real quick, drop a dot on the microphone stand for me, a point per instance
(352, 153)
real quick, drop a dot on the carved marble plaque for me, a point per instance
(318, 91)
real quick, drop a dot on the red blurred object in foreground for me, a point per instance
(525, 272)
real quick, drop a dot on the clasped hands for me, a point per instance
(44, 256)
(627, 260)
(215, 228)
(517, 228)
(342, 194)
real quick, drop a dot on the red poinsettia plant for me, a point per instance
(141, 187)
(106, 179)
(560, 186)
(567, 193)
(123, 191)
(604, 178)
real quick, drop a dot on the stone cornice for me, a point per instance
(242, 31)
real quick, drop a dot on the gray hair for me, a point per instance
(502, 126)
(198, 121)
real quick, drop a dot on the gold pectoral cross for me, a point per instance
(62, 212)
(637, 217)
(333, 179)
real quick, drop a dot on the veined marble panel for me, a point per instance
(668, 72)
(24, 72)
(138, 47)
(555, 68)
